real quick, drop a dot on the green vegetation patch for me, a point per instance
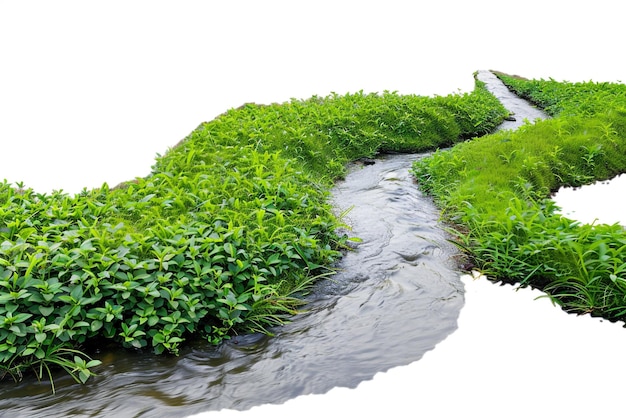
(586, 98)
(222, 237)
(496, 191)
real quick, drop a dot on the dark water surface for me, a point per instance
(397, 296)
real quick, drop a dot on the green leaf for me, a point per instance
(46, 310)
(84, 376)
(28, 351)
(40, 353)
(21, 317)
(87, 245)
(19, 330)
(147, 198)
(93, 363)
(77, 292)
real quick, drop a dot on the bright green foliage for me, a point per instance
(222, 237)
(324, 133)
(563, 98)
(496, 191)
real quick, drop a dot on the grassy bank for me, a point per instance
(223, 235)
(496, 191)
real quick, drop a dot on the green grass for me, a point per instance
(224, 236)
(496, 190)
(587, 98)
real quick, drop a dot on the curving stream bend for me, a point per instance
(397, 295)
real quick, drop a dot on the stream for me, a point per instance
(396, 296)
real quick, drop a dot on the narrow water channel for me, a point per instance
(395, 298)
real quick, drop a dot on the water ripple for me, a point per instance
(396, 296)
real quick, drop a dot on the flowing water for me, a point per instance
(520, 109)
(397, 295)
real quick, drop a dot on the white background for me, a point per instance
(91, 91)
